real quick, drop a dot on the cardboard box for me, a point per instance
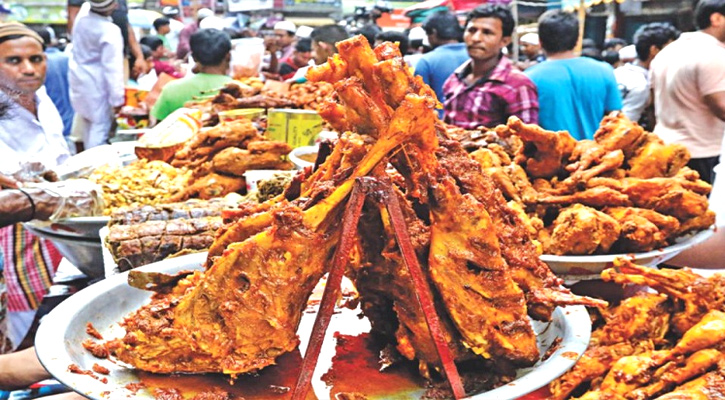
(296, 127)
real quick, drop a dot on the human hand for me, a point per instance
(139, 66)
(68, 199)
(8, 182)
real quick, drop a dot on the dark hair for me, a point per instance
(610, 57)
(304, 45)
(395, 36)
(704, 9)
(655, 33)
(146, 51)
(498, 11)
(210, 46)
(589, 43)
(444, 24)
(44, 34)
(153, 42)
(370, 31)
(614, 42)
(330, 34)
(558, 31)
(161, 21)
(592, 53)
(233, 33)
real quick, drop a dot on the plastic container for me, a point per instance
(304, 156)
(247, 55)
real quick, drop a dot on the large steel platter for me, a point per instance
(104, 304)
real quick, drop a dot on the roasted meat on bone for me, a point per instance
(244, 310)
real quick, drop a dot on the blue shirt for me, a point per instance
(438, 64)
(56, 85)
(575, 94)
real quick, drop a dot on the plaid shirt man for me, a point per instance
(492, 99)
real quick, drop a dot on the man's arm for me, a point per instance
(17, 207)
(716, 103)
(21, 369)
(136, 51)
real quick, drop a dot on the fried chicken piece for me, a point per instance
(590, 163)
(598, 196)
(645, 316)
(544, 152)
(582, 230)
(706, 387)
(698, 223)
(697, 293)
(617, 132)
(642, 229)
(594, 363)
(236, 161)
(677, 373)
(653, 158)
(211, 186)
(665, 195)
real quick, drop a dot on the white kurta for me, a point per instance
(26, 138)
(96, 66)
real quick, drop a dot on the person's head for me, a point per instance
(284, 32)
(558, 31)
(710, 16)
(170, 12)
(529, 44)
(614, 44)
(45, 35)
(394, 36)
(162, 25)
(155, 44)
(103, 7)
(592, 52)
(588, 43)
(303, 52)
(653, 37)
(370, 31)
(611, 57)
(148, 56)
(323, 41)
(488, 30)
(22, 61)
(442, 27)
(211, 47)
(203, 13)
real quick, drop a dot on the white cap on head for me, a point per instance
(628, 52)
(288, 26)
(203, 13)
(213, 22)
(418, 33)
(530, 38)
(304, 31)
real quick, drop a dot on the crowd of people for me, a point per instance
(672, 83)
